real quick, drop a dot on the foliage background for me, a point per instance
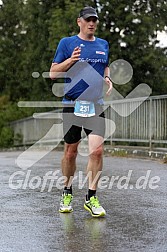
(31, 29)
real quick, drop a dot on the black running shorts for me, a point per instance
(72, 124)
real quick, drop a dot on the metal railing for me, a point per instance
(147, 123)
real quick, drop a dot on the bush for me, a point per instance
(6, 137)
(10, 112)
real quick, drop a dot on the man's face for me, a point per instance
(88, 26)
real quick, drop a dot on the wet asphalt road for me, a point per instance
(136, 218)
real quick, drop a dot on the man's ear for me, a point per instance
(78, 21)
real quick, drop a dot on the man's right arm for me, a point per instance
(65, 65)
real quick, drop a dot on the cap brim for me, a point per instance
(89, 15)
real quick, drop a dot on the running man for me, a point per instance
(85, 58)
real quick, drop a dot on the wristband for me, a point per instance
(108, 77)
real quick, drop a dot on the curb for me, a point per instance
(125, 152)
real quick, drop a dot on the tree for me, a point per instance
(63, 21)
(131, 29)
(10, 46)
(36, 54)
(24, 48)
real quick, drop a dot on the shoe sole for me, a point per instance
(94, 215)
(65, 211)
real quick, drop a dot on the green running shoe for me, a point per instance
(94, 207)
(65, 203)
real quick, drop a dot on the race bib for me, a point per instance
(84, 109)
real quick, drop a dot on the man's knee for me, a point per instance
(97, 153)
(70, 152)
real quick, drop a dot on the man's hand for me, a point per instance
(76, 54)
(57, 69)
(109, 83)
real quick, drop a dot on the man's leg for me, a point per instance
(69, 162)
(95, 129)
(68, 170)
(72, 136)
(94, 169)
(95, 161)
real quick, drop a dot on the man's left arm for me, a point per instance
(108, 80)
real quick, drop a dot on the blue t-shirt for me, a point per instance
(85, 77)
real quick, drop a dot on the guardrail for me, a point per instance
(147, 123)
